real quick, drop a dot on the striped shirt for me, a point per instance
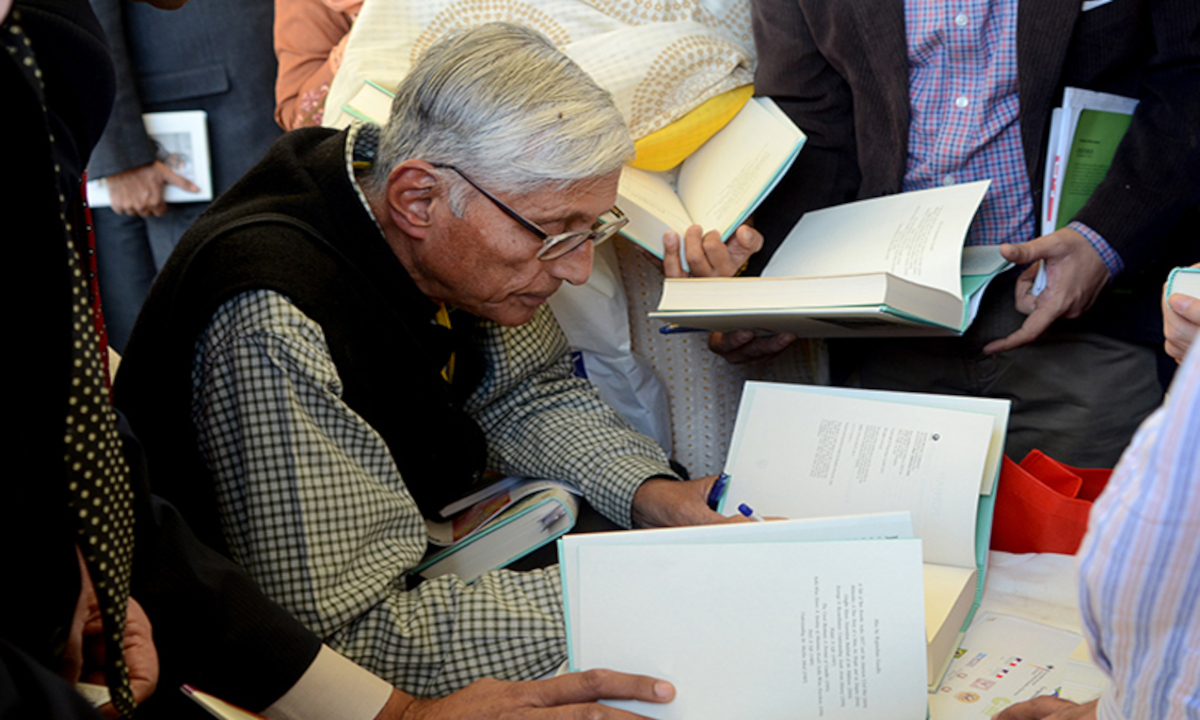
(1140, 565)
(965, 115)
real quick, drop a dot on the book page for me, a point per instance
(917, 236)
(722, 181)
(653, 208)
(829, 629)
(873, 526)
(998, 409)
(796, 454)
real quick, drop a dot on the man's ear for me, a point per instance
(412, 193)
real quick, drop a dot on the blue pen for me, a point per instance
(673, 329)
(749, 512)
(717, 491)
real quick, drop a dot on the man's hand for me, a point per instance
(141, 657)
(744, 346)
(567, 697)
(1075, 275)
(670, 503)
(707, 256)
(83, 658)
(1048, 707)
(140, 191)
(1181, 323)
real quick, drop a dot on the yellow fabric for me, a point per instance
(666, 148)
(443, 319)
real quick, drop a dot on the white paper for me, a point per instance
(809, 454)
(847, 527)
(830, 629)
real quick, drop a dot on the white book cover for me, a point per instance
(772, 630)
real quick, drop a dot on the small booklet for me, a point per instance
(1004, 660)
(718, 185)
(1084, 135)
(808, 618)
(803, 451)
(506, 521)
(181, 143)
(892, 265)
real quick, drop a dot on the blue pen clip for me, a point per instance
(718, 491)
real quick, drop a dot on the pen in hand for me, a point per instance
(749, 512)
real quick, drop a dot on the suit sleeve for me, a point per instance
(125, 144)
(213, 627)
(793, 72)
(1155, 175)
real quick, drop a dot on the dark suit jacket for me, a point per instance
(840, 70)
(214, 55)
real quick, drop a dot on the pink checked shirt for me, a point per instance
(965, 115)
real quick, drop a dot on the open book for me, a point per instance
(803, 451)
(892, 265)
(718, 185)
(805, 618)
(501, 523)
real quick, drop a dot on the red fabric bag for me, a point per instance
(1042, 505)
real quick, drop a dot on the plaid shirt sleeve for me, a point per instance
(542, 421)
(314, 507)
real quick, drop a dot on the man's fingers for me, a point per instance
(174, 178)
(718, 256)
(592, 685)
(741, 346)
(1033, 327)
(672, 266)
(699, 264)
(1036, 709)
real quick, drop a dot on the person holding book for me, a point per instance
(344, 341)
(1181, 322)
(1139, 572)
(929, 94)
(204, 621)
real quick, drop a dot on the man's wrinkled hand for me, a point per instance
(567, 697)
(706, 255)
(139, 191)
(1075, 275)
(1048, 707)
(744, 346)
(671, 503)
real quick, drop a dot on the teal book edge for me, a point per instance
(457, 547)
(351, 111)
(562, 576)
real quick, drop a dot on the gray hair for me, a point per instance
(506, 106)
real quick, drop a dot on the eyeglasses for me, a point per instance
(554, 246)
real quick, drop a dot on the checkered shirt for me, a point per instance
(312, 503)
(965, 115)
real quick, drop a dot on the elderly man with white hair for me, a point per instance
(358, 328)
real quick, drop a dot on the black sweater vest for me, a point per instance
(295, 225)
